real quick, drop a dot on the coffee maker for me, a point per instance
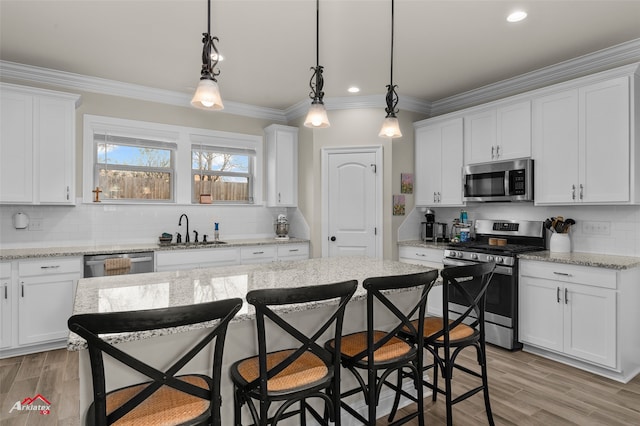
(428, 228)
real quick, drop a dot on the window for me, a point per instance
(130, 168)
(225, 174)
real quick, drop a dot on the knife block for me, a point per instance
(560, 243)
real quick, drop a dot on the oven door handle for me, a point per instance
(502, 270)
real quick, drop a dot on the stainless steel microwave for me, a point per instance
(499, 181)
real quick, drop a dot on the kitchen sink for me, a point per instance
(193, 244)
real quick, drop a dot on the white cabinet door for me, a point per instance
(54, 135)
(180, 260)
(6, 296)
(431, 257)
(16, 147)
(513, 136)
(428, 171)
(480, 136)
(581, 140)
(540, 313)
(438, 170)
(605, 137)
(555, 148)
(590, 324)
(44, 305)
(282, 166)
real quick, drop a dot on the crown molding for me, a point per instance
(601, 60)
(72, 81)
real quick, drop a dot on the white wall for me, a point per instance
(623, 238)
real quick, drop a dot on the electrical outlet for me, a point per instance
(35, 225)
(596, 227)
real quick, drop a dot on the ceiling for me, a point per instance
(441, 48)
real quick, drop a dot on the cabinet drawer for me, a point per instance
(50, 266)
(420, 253)
(5, 270)
(264, 253)
(293, 250)
(587, 275)
(196, 257)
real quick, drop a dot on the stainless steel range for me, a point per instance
(500, 241)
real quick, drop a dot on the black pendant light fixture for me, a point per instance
(317, 115)
(390, 126)
(207, 94)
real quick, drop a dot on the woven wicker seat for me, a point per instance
(373, 355)
(292, 376)
(445, 343)
(188, 399)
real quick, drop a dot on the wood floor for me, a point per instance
(525, 390)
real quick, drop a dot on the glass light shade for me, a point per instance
(317, 116)
(390, 128)
(207, 96)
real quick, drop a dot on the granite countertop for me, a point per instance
(166, 289)
(423, 244)
(26, 253)
(585, 259)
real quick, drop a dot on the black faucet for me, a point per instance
(186, 236)
(196, 238)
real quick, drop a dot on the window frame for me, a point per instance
(184, 137)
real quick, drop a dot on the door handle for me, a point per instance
(332, 238)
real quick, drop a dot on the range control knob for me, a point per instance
(460, 254)
(474, 256)
(490, 258)
(499, 259)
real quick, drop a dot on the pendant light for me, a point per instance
(390, 126)
(207, 94)
(317, 115)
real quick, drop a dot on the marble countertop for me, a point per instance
(585, 259)
(423, 244)
(178, 288)
(26, 253)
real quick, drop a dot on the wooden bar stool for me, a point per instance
(292, 375)
(168, 399)
(372, 355)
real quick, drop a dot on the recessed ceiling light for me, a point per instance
(353, 89)
(517, 16)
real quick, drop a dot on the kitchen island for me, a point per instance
(156, 290)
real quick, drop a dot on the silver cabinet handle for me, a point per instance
(6, 294)
(258, 252)
(497, 151)
(566, 299)
(492, 149)
(279, 197)
(67, 193)
(558, 294)
(439, 197)
(421, 254)
(581, 191)
(292, 250)
(22, 288)
(434, 197)
(564, 274)
(50, 267)
(573, 192)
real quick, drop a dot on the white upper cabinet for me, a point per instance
(583, 150)
(282, 165)
(438, 154)
(37, 149)
(501, 132)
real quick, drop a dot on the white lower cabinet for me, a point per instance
(175, 260)
(38, 304)
(293, 251)
(579, 314)
(431, 257)
(6, 295)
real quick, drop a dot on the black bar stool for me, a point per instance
(293, 375)
(379, 353)
(192, 399)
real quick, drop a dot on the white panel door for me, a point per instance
(352, 203)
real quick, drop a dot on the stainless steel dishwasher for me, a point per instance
(137, 263)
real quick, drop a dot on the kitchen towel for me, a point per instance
(117, 266)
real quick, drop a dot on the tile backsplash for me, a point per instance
(90, 224)
(598, 229)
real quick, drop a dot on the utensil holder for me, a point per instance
(560, 243)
